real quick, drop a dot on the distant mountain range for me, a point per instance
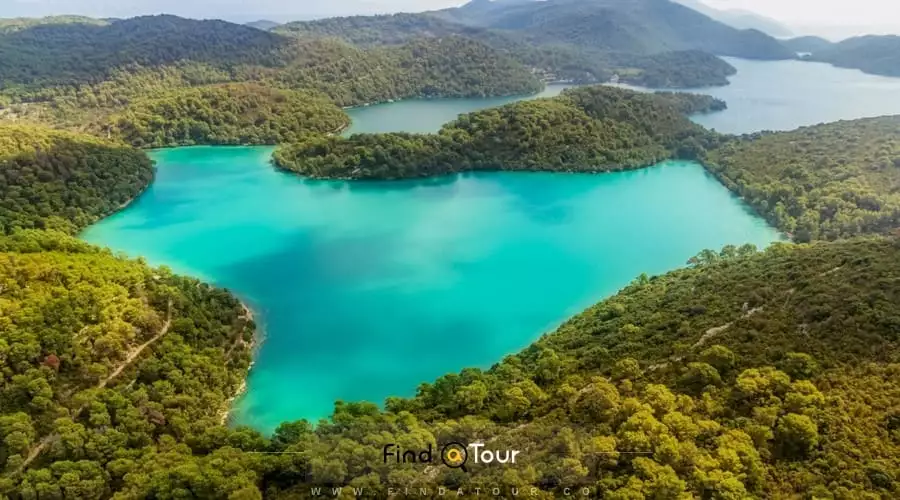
(638, 26)
(740, 19)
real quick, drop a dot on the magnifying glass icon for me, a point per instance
(455, 455)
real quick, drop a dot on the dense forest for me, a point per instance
(588, 129)
(77, 52)
(430, 67)
(105, 362)
(59, 180)
(226, 114)
(828, 181)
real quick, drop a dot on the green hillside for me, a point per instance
(103, 360)
(226, 114)
(54, 179)
(75, 74)
(829, 181)
(78, 52)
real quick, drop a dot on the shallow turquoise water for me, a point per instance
(366, 290)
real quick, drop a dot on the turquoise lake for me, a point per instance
(365, 290)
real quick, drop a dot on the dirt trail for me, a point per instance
(129, 359)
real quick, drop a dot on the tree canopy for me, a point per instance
(828, 181)
(226, 114)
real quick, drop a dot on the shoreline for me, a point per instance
(256, 341)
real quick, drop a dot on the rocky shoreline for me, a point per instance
(249, 315)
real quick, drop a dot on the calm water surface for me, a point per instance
(784, 95)
(365, 290)
(427, 115)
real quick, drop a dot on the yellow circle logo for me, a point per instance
(455, 455)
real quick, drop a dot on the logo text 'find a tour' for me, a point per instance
(454, 455)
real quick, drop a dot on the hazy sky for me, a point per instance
(880, 15)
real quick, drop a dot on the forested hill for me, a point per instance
(226, 114)
(55, 179)
(556, 60)
(77, 52)
(588, 129)
(103, 361)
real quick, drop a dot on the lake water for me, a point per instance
(366, 290)
(763, 95)
(427, 115)
(784, 95)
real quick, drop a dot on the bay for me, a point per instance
(784, 95)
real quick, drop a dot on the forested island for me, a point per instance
(746, 374)
(589, 129)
